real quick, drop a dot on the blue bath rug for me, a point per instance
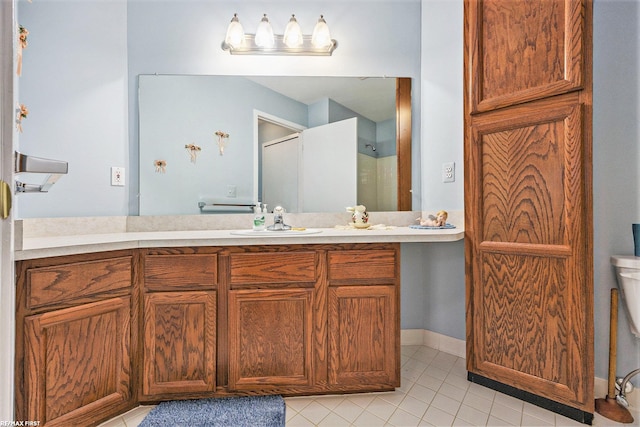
(254, 411)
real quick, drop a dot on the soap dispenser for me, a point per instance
(258, 218)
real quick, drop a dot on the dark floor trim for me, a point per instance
(558, 408)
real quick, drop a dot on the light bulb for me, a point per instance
(293, 33)
(321, 36)
(235, 32)
(264, 34)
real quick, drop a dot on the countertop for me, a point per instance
(106, 234)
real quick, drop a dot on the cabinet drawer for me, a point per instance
(179, 272)
(281, 267)
(362, 264)
(65, 282)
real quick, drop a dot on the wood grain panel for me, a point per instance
(276, 267)
(528, 172)
(180, 346)
(403, 138)
(362, 264)
(528, 295)
(65, 282)
(180, 271)
(270, 338)
(361, 334)
(520, 51)
(78, 359)
(526, 299)
(523, 189)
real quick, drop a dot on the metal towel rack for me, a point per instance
(30, 164)
(203, 205)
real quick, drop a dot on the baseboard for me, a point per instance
(458, 348)
(434, 340)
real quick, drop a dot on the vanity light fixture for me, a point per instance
(293, 33)
(264, 34)
(292, 42)
(235, 32)
(321, 36)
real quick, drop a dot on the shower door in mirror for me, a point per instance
(313, 170)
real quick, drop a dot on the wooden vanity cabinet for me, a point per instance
(97, 334)
(290, 319)
(179, 309)
(271, 319)
(363, 319)
(75, 338)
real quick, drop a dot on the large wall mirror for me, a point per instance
(218, 144)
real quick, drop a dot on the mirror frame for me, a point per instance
(403, 142)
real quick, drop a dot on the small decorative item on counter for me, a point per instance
(161, 166)
(359, 216)
(22, 114)
(440, 220)
(193, 151)
(223, 138)
(22, 44)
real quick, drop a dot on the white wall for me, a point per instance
(439, 269)
(375, 38)
(75, 95)
(616, 156)
(74, 83)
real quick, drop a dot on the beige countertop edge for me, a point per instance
(43, 247)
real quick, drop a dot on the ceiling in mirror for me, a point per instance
(368, 96)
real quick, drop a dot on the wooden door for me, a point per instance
(179, 343)
(528, 207)
(78, 360)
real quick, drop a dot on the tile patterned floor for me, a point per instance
(434, 392)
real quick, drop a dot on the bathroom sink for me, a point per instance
(282, 233)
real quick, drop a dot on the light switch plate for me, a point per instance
(117, 176)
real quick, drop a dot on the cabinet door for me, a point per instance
(528, 202)
(76, 360)
(362, 336)
(520, 51)
(270, 336)
(179, 343)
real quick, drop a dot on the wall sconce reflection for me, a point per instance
(223, 139)
(192, 149)
(161, 166)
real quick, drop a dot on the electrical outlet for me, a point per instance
(117, 176)
(448, 172)
(231, 191)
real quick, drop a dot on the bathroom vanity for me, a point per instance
(99, 332)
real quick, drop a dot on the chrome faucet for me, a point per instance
(278, 220)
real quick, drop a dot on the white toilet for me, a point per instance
(628, 274)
